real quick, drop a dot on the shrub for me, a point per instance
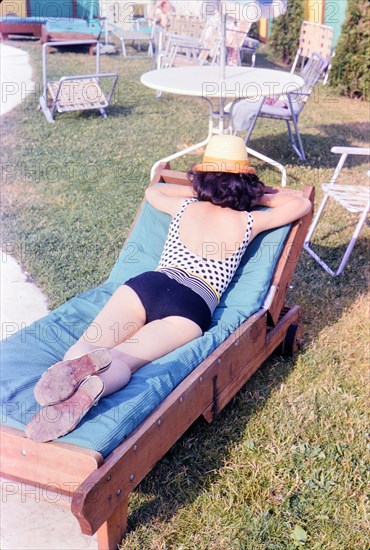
(351, 62)
(284, 37)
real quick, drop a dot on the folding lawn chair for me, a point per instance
(183, 50)
(78, 92)
(95, 467)
(354, 198)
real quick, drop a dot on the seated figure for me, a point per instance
(161, 12)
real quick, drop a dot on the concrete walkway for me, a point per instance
(33, 523)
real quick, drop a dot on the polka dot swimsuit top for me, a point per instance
(208, 277)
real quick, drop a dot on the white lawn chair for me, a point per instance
(78, 92)
(182, 50)
(354, 198)
(244, 113)
(314, 38)
(238, 42)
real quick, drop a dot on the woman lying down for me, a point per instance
(174, 304)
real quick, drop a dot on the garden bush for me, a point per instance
(284, 38)
(350, 70)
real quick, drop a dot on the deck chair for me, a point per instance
(314, 38)
(244, 113)
(138, 32)
(183, 50)
(96, 467)
(354, 198)
(127, 21)
(185, 25)
(237, 42)
(78, 92)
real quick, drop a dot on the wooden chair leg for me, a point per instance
(112, 531)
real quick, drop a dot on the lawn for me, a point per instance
(285, 464)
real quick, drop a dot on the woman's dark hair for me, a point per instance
(237, 191)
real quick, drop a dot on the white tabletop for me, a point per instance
(247, 82)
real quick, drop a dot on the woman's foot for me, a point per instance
(56, 420)
(61, 380)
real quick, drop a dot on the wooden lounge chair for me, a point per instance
(199, 379)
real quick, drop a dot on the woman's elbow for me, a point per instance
(150, 194)
(306, 206)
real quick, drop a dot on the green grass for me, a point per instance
(291, 449)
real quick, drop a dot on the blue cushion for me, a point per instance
(27, 354)
(66, 24)
(23, 20)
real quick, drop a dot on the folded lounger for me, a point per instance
(98, 465)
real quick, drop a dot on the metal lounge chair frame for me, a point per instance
(70, 93)
(296, 101)
(354, 198)
(97, 490)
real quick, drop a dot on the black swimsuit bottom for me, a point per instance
(163, 297)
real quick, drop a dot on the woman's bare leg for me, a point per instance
(149, 343)
(120, 318)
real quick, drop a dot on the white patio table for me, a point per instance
(239, 83)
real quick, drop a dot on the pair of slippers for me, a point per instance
(67, 391)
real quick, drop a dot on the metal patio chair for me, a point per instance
(244, 113)
(78, 92)
(354, 198)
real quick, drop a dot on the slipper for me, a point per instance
(61, 418)
(61, 380)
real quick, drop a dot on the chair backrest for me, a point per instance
(314, 38)
(236, 35)
(180, 51)
(185, 25)
(312, 71)
(311, 74)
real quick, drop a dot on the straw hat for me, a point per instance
(225, 153)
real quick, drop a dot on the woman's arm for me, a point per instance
(174, 190)
(285, 207)
(168, 197)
